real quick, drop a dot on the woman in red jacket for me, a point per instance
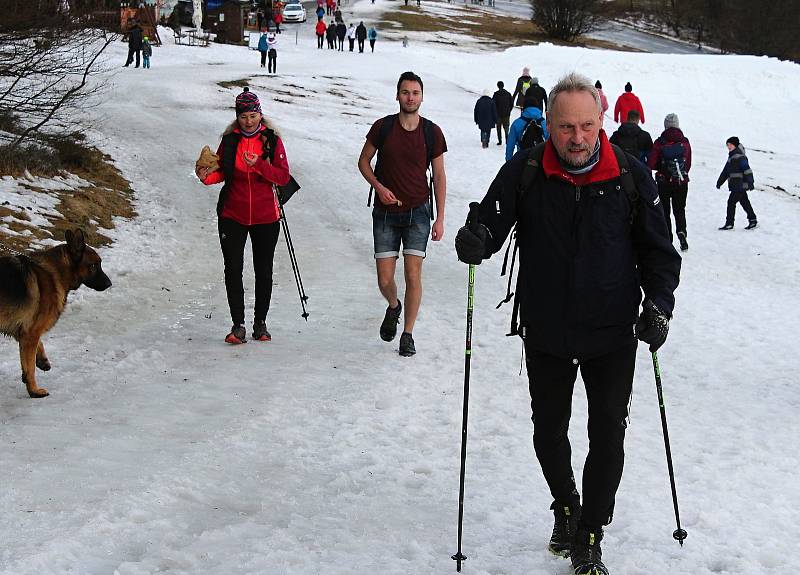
(252, 163)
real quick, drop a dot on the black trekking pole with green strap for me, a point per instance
(679, 534)
(295, 268)
(459, 556)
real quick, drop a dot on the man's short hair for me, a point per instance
(500, 84)
(409, 77)
(574, 82)
(633, 116)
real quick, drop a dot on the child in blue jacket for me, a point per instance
(740, 179)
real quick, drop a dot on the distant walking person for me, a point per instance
(341, 33)
(504, 104)
(536, 95)
(739, 176)
(263, 48)
(626, 102)
(361, 35)
(351, 36)
(321, 28)
(406, 144)
(603, 99)
(135, 36)
(372, 35)
(272, 53)
(330, 35)
(485, 116)
(526, 131)
(523, 83)
(671, 157)
(147, 51)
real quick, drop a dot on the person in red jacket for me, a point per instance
(625, 103)
(252, 163)
(320, 29)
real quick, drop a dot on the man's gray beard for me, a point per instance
(574, 164)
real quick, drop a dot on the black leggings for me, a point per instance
(232, 238)
(673, 194)
(272, 64)
(608, 380)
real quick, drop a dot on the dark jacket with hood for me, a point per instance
(583, 259)
(536, 96)
(631, 138)
(135, 37)
(485, 113)
(361, 32)
(737, 171)
(503, 102)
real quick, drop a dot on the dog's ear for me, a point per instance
(76, 242)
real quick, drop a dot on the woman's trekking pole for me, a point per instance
(295, 268)
(679, 534)
(459, 556)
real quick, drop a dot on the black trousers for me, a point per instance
(131, 53)
(360, 44)
(341, 44)
(674, 193)
(320, 38)
(502, 124)
(263, 238)
(608, 380)
(263, 59)
(352, 42)
(272, 64)
(372, 45)
(739, 198)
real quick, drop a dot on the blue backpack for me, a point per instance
(673, 161)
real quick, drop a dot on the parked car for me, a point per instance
(294, 13)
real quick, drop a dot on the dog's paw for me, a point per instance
(38, 392)
(43, 364)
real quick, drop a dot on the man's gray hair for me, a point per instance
(573, 82)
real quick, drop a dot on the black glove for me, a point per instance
(653, 325)
(471, 239)
(471, 244)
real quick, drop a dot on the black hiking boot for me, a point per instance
(566, 524)
(727, 227)
(751, 224)
(237, 335)
(682, 240)
(407, 348)
(586, 554)
(390, 321)
(260, 332)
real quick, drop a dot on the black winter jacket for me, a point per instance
(504, 102)
(582, 263)
(631, 138)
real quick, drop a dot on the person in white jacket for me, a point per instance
(351, 36)
(272, 53)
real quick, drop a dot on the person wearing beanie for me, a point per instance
(603, 99)
(626, 102)
(739, 176)
(535, 96)
(523, 83)
(504, 103)
(631, 138)
(147, 52)
(485, 116)
(671, 158)
(252, 163)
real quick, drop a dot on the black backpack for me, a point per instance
(529, 174)
(532, 134)
(427, 132)
(673, 161)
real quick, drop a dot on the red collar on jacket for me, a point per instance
(606, 169)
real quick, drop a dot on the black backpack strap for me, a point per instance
(626, 180)
(383, 133)
(427, 132)
(530, 172)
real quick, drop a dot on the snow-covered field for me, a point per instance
(163, 450)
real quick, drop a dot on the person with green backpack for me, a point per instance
(523, 83)
(407, 146)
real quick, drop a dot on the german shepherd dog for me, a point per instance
(33, 293)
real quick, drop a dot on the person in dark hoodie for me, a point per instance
(537, 95)
(330, 35)
(341, 33)
(523, 83)
(135, 36)
(485, 115)
(631, 138)
(583, 265)
(504, 103)
(671, 158)
(361, 35)
(520, 136)
(739, 176)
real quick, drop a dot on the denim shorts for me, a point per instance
(412, 228)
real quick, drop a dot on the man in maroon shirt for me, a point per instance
(402, 212)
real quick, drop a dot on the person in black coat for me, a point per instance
(631, 138)
(523, 83)
(504, 103)
(135, 36)
(589, 244)
(536, 95)
(341, 33)
(361, 35)
(485, 115)
(330, 35)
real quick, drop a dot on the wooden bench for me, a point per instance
(180, 36)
